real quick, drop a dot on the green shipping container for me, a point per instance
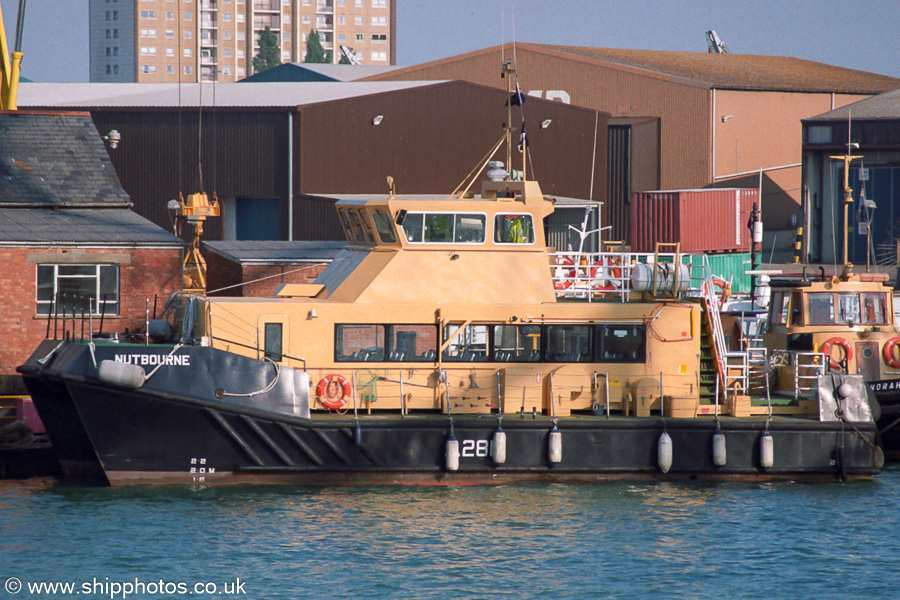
(730, 267)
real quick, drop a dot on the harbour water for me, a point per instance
(610, 540)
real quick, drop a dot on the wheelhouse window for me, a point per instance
(78, 288)
(873, 309)
(568, 343)
(779, 308)
(621, 343)
(362, 343)
(517, 343)
(513, 229)
(384, 227)
(821, 309)
(444, 228)
(468, 343)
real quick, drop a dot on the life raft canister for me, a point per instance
(333, 401)
(888, 353)
(826, 350)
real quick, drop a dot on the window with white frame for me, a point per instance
(378, 21)
(64, 289)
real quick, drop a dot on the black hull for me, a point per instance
(888, 395)
(148, 439)
(122, 436)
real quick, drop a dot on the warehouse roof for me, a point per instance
(221, 95)
(882, 106)
(702, 69)
(315, 72)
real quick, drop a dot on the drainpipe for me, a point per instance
(714, 137)
(290, 175)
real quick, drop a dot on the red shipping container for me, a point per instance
(709, 220)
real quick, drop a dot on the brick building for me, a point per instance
(69, 242)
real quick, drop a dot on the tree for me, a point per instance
(314, 51)
(268, 55)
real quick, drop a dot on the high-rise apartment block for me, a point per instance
(158, 41)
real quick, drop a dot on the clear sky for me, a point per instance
(859, 34)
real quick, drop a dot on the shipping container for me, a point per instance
(731, 267)
(709, 220)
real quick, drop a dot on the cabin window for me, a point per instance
(384, 226)
(360, 227)
(874, 309)
(568, 343)
(272, 341)
(67, 289)
(821, 309)
(779, 308)
(444, 228)
(849, 308)
(345, 223)
(621, 343)
(797, 308)
(513, 229)
(517, 343)
(361, 343)
(468, 344)
(414, 343)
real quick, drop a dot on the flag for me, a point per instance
(523, 139)
(517, 99)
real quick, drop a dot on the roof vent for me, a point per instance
(497, 172)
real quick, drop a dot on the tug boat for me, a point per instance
(447, 344)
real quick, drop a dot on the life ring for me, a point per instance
(888, 353)
(725, 290)
(333, 398)
(564, 274)
(826, 350)
(605, 275)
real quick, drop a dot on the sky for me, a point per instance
(858, 34)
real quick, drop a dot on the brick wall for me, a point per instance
(143, 274)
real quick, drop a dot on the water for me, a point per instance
(611, 540)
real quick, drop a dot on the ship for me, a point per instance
(447, 344)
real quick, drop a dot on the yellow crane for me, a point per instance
(10, 65)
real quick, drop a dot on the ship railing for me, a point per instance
(594, 275)
(802, 368)
(505, 391)
(808, 366)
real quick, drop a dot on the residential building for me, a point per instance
(166, 41)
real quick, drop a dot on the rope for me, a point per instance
(266, 389)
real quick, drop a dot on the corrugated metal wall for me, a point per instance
(684, 110)
(428, 139)
(243, 155)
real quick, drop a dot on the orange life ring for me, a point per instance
(565, 270)
(826, 350)
(888, 353)
(725, 290)
(606, 275)
(329, 397)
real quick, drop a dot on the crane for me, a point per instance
(716, 46)
(10, 65)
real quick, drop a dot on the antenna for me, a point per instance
(715, 45)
